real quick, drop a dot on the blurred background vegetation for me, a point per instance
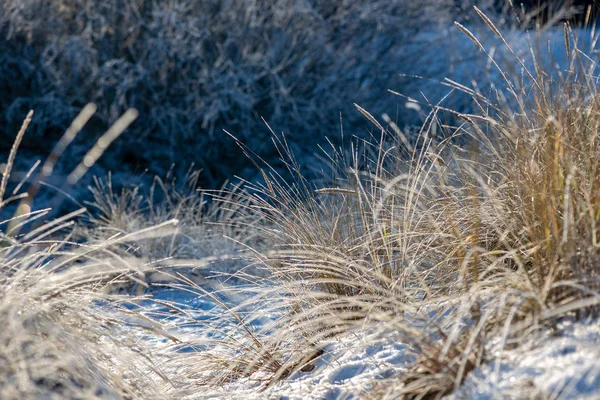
(194, 68)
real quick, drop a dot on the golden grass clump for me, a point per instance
(64, 335)
(495, 223)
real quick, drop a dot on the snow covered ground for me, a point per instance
(564, 364)
(559, 364)
(348, 369)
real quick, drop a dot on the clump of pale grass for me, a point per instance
(69, 334)
(500, 233)
(212, 225)
(60, 338)
(64, 336)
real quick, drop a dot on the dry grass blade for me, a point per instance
(13, 153)
(489, 23)
(336, 191)
(469, 34)
(76, 126)
(567, 40)
(101, 145)
(369, 116)
(24, 179)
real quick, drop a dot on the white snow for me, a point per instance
(560, 365)
(347, 369)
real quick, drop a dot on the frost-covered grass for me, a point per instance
(453, 243)
(418, 266)
(195, 67)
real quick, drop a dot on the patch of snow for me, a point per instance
(347, 370)
(563, 365)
